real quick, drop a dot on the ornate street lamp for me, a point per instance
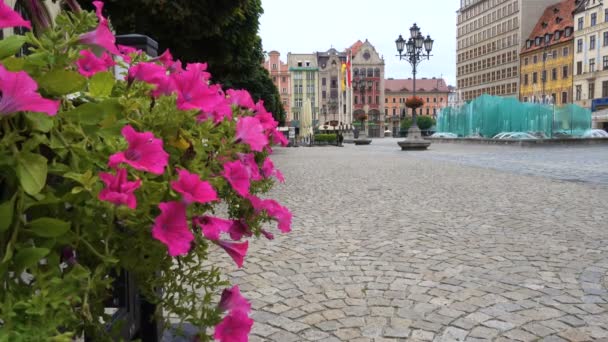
(416, 49)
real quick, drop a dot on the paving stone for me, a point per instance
(396, 332)
(422, 335)
(347, 334)
(483, 332)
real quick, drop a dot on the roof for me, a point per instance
(556, 17)
(355, 47)
(424, 84)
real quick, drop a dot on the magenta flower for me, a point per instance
(145, 152)
(98, 8)
(268, 170)
(101, 36)
(118, 190)
(127, 51)
(268, 122)
(235, 327)
(268, 235)
(237, 175)
(281, 214)
(232, 300)
(193, 189)
(154, 74)
(241, 98)
(278, 138)
(212, 227)
(250, 130)
(248, 159)
(238, 230)
(236, 250)
(166, 58)
(171, 228)
(18, 93)
(10, 18)
(90, 64)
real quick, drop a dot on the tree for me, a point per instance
(222, 33)
(406, 124)
(425, 122)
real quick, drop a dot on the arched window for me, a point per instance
(356, 71)
(377, 72)
(370, 72)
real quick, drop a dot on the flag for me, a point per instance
(343, 72)
(348, 70)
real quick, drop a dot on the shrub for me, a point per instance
(425, 122)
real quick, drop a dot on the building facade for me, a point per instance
(433, 91)
(279, 73)
(546, 57)
(368, 86)
(591, 58)
(489, 38)
(333, 104)
(304, 74)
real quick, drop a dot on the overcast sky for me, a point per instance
(306, 26)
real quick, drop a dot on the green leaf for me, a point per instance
(13, 63)
(7, 210)
(40, 122)
(93, 113)
(62, 82)
(28, 257)
(11, 45)
(31, 171)
(101, 84)
(49, 227)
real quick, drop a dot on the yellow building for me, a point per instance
(546, 60)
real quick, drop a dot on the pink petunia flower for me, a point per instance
(193, 189)
(238, 229)
(241, 98)
(236, 250)
(171, 228)
(154, 74)
(268, 235)
(10, 18)
(126, 52)
(212, 227)
(250, 131)
(281, 214)
(232, 300)
(18, 93)
(118, 190)
(101, 36)
(278, 138)
(90, 64)
(268, 170)
(166, 58)
(145, 152)
(237, 175)
(98, 9)
(235, 327)
(248, 159)
(266, 119)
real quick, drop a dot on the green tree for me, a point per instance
(406, 124)
(222, 33)
(425, 122)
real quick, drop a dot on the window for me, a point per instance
(299, 63)
(592, 43)
(605, 39)
(284, 90)
(535, 59)
(324, 81)
(565, 71)
(557, 35)
(568, 32)
(579, 45)
(544, 76)
(604, 62)
(592, 65)
(274, 79)
(526, 79)
(394, 100)
(578, 92)
(324, 94)
(591, 86)
(579, 68)
(580, 23)
(356, 99)
(526, 61)
(593, 19)
(386, 100)
(605, 89)
(554, 74)
(394, 111)
(377, 99)
(565, 52)
(386, 111)
(606, 15)
(427, 110)
(369, 99)
(435, 99)
(534, 78)
(564, 97)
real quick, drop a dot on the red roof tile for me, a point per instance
(555, 18)
(356, 46)
(424, 84)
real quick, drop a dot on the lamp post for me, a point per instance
(546, 41)
(414, 50)
(360, 83)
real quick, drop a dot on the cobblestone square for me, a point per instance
(458, 243)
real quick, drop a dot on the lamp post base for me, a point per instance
(414, 140)
(362, 139)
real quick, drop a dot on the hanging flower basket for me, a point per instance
(414, 102)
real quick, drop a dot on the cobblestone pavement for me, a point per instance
(420, 246)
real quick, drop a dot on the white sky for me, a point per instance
(306, 26)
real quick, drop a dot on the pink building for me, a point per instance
(279, 72)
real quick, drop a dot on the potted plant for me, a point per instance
(150, 173)
(414, 102)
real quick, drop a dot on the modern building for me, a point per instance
(279, 72)
(433, 91)
(368, 86)
(490, 34)
(546, 57)
(333, 101)
(591, 59)
(304, 74)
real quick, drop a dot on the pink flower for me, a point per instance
(166, 58)
(248, 159)
(267, 234)
(90, 64)
(10, 18)
(250, 130)
(241, 98)
(101, 36)
(235, 327)
(118, 190)
(127, 51)
(18, 93)
(171, 228)
(268, 170)
(266, 119)
(145, 153)
(278, 138)
(154, 74)
(238, 229)
(212, 227)
(193, 189)
(236, 174)
(236, 250)
(281, 214)
(232, 300)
